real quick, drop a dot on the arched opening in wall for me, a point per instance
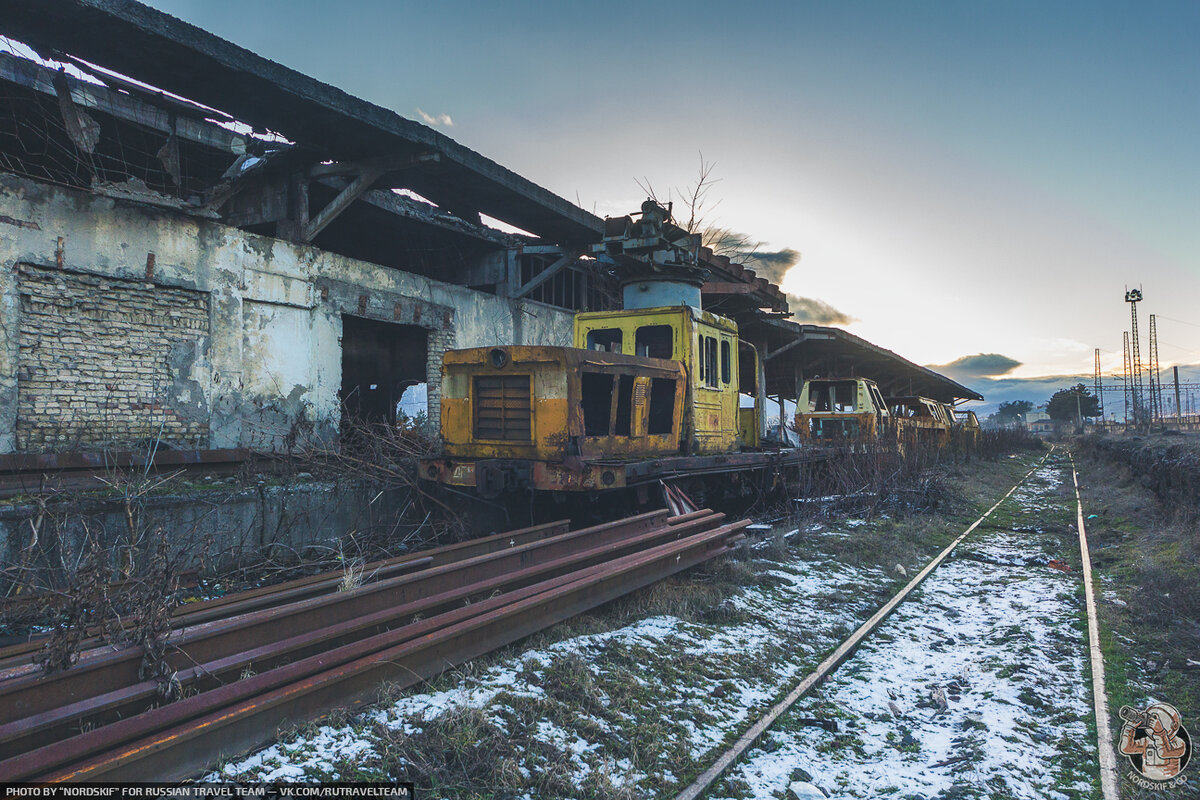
(383, 370)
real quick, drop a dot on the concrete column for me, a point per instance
(226, 334)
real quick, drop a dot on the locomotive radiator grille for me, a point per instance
(502, 408)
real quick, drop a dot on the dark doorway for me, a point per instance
(379, 361)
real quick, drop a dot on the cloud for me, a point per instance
(817, 312)
(773, 265)
(435, 119)
(741, 248)
(981, 365)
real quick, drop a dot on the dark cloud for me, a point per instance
(1039, 390)
(773, 265)
(739, 247)
(981, 365)
(817, 312)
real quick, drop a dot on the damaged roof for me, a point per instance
(165, 52)
(817, 351)
(154, 47)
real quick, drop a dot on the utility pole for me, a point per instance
(1156, 409)
(1178, 410)
(1125, 377)
(1099, 386)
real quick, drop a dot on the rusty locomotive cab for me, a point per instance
(644, 392)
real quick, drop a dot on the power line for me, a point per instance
(1180, 321)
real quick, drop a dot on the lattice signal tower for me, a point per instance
(1133, 297)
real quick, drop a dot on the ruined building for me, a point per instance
(202, 248)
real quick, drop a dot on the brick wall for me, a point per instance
(439, 342)
(107, 362)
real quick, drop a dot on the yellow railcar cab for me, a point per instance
(707, 346)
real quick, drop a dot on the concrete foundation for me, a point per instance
(208, 530)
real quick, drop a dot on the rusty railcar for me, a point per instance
(553, 417)
(919, 420)
(841, 412)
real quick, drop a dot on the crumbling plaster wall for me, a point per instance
(270, 365)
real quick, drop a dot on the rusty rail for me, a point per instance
(24, 691)
(46, 710)
(409, 631)
(310, 586)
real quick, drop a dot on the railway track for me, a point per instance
(244, 664)
(720, 766)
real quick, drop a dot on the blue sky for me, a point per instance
(959, 177)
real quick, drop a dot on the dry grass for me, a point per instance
(1145, 548)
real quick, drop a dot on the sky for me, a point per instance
(959, 178)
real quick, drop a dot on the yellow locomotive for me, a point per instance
(662, 383)
(658, 390)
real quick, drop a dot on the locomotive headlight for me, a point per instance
(498, 357)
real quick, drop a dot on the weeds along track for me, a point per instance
(709, 777)
(242, 665)
(1104, 739)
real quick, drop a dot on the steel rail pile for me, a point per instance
(247, 665)
(22, 654)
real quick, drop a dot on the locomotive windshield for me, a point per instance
(839, 397)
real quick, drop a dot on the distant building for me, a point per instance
(1041, 427)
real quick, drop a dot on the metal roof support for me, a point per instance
(365, 180)
(784, 348)
(549, 272)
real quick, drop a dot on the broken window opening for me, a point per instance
(726, 365)
(605, 340)
(597, 391)
(624, 419)
(655, 341)
(380, 361)
(660, 418)
(414, 403)
(836, 396)
(747, 370)
(845, 397)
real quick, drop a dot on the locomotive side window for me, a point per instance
(725, 362)
(597, 391)
(877, 398)
(655, 341)
(661, 416)
(624, 406)
(604, 339)
(708, 367)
